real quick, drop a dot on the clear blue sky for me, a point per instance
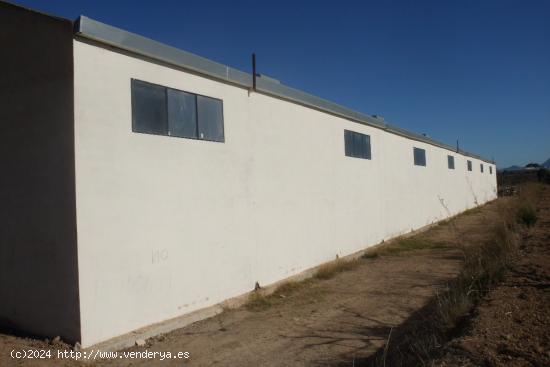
(478, 70)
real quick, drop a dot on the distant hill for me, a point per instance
(512, 168)
(532, 172)
(518, 168)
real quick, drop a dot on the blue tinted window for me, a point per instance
(182, 114)
(210, 113)
(419, 157)
(166, 111)
(357, 145)
(451, 162)
(348, 142)
(149, 108)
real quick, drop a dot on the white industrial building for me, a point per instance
(145, 182)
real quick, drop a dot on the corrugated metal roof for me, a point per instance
(127, 41)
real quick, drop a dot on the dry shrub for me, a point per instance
(527, 214)
(291, 287)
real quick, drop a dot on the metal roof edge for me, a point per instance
(103, 33)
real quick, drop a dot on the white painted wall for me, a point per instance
(170, 225)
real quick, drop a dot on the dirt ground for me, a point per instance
(347, 317)
(511, 327)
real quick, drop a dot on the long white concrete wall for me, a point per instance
(169, 225)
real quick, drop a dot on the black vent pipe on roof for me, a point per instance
(253, 71)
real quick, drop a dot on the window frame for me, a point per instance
(450, 161)
(168, 99)
(198, 118)
(350, 134)
(139, 83)
(167, 109)
(416, 149)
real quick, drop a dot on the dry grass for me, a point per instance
(371, 255)
(289, 288)
(329, 270)
(527, 214)
(522, 209)
(526, 211)
(472, 211)
(444, 222)
(400, 245)
(258, 302)
(484, 266)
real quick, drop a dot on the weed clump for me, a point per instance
(258, 302)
